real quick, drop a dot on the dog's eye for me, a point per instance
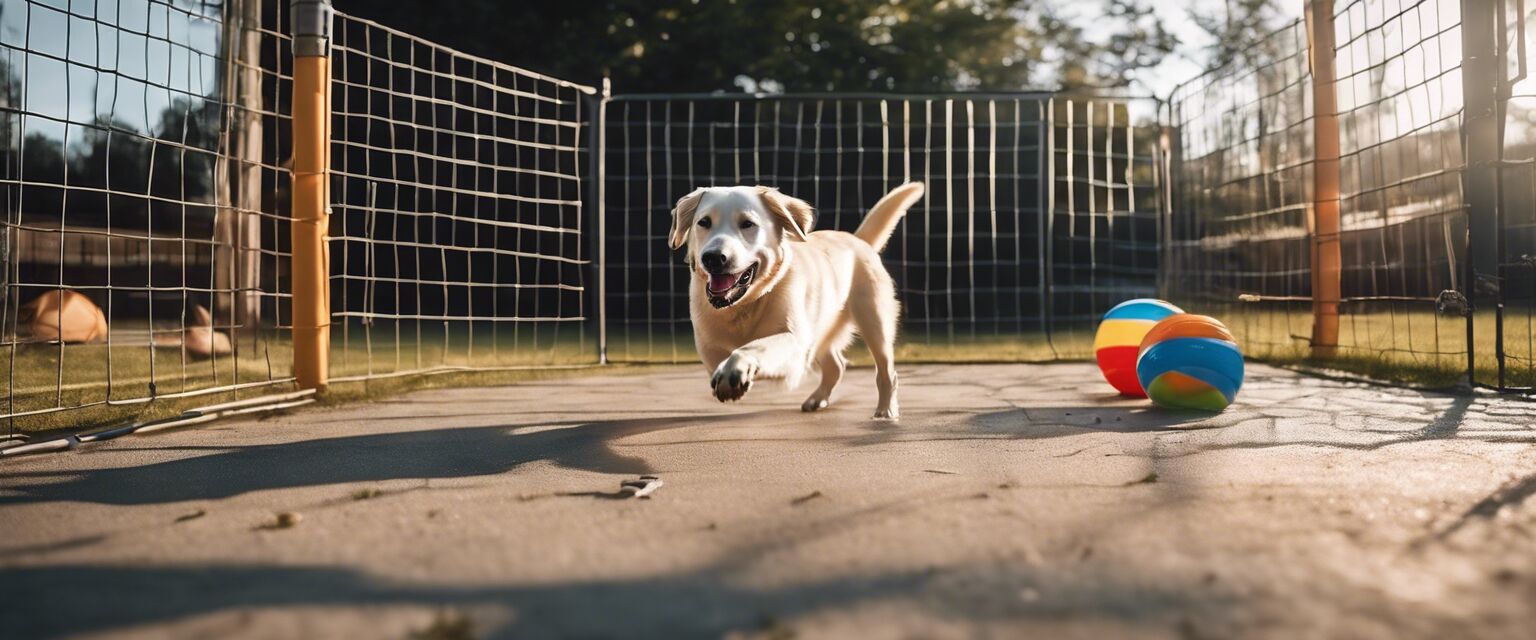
(704, 223)
(747, 224)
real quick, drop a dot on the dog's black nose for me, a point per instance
(713, 261)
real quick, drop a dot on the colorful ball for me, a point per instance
(1119, 337)
(1190, 362)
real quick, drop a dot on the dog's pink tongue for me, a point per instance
(722, 282)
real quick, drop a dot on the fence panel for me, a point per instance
(145, 245)
(1240, 235)
(144, 174)
(457, 228)
(1040, 211)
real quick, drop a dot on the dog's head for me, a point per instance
(736, 235)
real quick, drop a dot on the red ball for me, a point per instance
(1119, 367)
(1118, 337)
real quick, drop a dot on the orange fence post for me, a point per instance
(1327, 260)
(311, 191)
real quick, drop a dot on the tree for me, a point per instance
(799, 45)
(1238, 31)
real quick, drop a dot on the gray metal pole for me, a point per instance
(1481, 73)
(311, 27)
(600, 140)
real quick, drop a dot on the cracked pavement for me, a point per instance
(1010, 499)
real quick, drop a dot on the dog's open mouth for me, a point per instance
(726, 288)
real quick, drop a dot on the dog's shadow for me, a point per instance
(440, 453)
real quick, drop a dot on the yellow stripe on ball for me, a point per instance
(1117, 333)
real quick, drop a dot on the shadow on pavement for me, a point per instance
(705, 603)
(437, 453)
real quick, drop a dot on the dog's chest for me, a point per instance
(732, 328)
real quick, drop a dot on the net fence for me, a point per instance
(486, 217)
(458, 217)
(140, 167)
(1041, 210)
(1240, 243)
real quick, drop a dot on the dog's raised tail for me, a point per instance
(881, 221)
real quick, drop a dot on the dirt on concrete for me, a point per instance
(1009, 500)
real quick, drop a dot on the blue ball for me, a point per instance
(1190, 362)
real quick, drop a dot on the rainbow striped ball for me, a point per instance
(1190, 362)
(1119, 337)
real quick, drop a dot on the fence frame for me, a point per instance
(599, 215)
(1485, 89)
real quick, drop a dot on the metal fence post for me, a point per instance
(311, 191)
(1048, 230)
(1327, 258)
(600, 163)
(1167, 159)
(1481, 75)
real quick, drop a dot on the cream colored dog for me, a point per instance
(770, 299)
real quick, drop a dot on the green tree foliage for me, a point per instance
(800, 45)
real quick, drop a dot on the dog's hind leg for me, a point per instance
(832, 364)
(875, 317)
(830, 360)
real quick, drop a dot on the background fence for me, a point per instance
(1426, 278)
(141, 172)
(485, 217)
(1041, 210)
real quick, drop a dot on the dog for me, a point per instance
(771, 298)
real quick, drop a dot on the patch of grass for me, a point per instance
(1414, 347)
(912, 348)
(44, 376)
(280, 521)
(1409, 347)
(99, 385)
(97, 416)
(447, 625)
(367, 494)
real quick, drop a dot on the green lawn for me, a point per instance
(651, 348)
(131, 371)
(1414, 347)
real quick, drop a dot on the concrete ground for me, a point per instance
(1010, 500)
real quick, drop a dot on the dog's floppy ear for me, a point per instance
(682, 217)
(796, 216)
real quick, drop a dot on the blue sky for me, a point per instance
(149, 72)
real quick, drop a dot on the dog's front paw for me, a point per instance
(734, 377)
